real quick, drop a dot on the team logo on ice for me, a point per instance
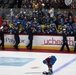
(14, 61)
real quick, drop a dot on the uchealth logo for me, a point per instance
(54, 41)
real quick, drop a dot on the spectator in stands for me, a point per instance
(5, 3)
(47, 4)
(6, 27)
(60, 18)
(65, 42)
(23, 31)
(74, 24)
(28, 24)
(51, 12)
(22, 14)
(65, 14)
(19, 3)
(39, 29)
(35, 22)
(53, 29)
(61, 21)
(17, 21)
(70, 13)
(47, 20)
(11, 3)
(24, 22)
(11, 15)
(73, 5)
(28, 4)
(25, 28)
(55, 21)
(62, 4)
(66, 22)
(41, 17)
(59, 30)
(70, 20)
(46, 29)
(70, 30)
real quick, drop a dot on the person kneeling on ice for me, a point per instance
(49, 61)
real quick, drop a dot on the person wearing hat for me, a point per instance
(65, 42)
(49, 61)
(2, 37)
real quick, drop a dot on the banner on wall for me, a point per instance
(39, 41)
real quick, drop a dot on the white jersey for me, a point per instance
(51, 12)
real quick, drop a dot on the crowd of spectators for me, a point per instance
(43, 17)
(36, 4)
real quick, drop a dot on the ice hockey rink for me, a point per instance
(30, 63)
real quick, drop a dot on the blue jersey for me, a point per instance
(50, 60)
(53, 60)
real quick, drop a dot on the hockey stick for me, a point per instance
(37, 73)
(33, 72)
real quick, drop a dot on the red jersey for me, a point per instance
(48, 61)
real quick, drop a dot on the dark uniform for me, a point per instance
(65, 43)
(30, 37)
(16, 37)
(75, 41)
(2, 38)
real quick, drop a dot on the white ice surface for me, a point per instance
(36, 67)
